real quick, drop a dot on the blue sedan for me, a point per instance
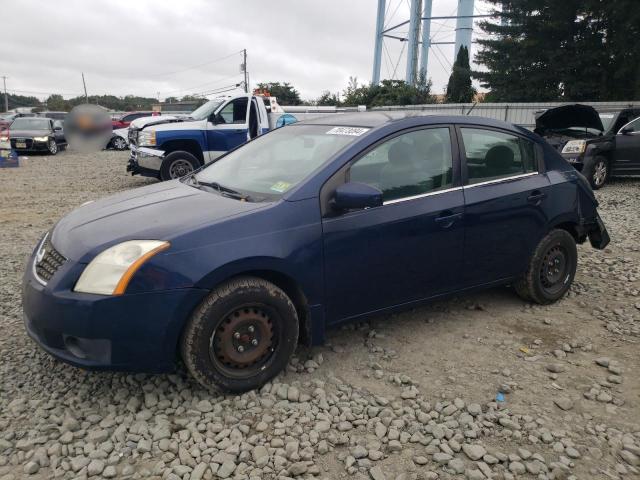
(312, 225)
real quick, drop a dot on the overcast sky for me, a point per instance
(143, 47)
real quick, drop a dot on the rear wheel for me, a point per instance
(178, 164)
(596, 170)
(241, 336)
(551, 269)
(119, 143)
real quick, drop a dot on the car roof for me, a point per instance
(379, 118)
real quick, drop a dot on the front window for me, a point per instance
(633, 127)
(234, 111)
(204, 111)
(494, 155)
(411, 164)
(271, 165)
(28, 123)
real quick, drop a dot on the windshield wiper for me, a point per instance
(226, 191)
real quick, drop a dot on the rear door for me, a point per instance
(228, 128)
(409, 248)
(505, 193)
(626, 154)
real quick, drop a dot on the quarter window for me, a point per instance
(411, 164)
(494, 155)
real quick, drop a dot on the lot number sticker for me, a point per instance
(353, 131)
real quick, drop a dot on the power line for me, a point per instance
(196, 66)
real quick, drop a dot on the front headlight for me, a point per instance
(574, 146)
(147, 138)
(40, 139)
(111, 271)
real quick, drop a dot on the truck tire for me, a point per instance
(241, 336)
(596, 170)
(178, 164)
(551, 269)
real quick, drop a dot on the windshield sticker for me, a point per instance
(280, 187)
(353, 131)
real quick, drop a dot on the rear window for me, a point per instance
(494, 155)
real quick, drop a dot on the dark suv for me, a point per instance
(599, 144)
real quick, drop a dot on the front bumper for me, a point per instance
(145, 161)
(32, 146)
(135, 332)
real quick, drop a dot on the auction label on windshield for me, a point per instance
(353, 131)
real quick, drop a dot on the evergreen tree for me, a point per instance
(285, 93)
(459, 88)
(574, 50)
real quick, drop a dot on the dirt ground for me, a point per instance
(411, 395)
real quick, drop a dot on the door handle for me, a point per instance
(446, 219)
(536, 197)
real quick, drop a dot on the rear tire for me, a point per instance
(177, 165)
(551, 269)
(597, 171)
(118, 143)
(241, 336)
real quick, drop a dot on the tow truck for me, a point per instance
(170, 147)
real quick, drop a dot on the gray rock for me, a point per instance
(109, 472)
(517, 468)
(298, 468)
(226, 469)
(376, 473)
(563, 403)
(31, 467)
(199, 471)
(420, 460)
(457, 465)
(95, 467)
(259, 452)
(441, 458)
(474, 452)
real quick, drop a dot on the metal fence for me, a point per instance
(519, 113)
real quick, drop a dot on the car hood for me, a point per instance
(28, 133)
(156, 212)
(142, 122)
(568, 116)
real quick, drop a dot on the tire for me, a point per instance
(178, 164)
(118, 143)
(214, 335)
(597, 171)
(52, 147)
(551, 269)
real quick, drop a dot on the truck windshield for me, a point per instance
(207, 109)
(269, 166)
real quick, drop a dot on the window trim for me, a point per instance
(464, 173)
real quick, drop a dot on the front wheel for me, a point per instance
(551, 269)
(52, 147)
(241, 336)
(119, 143)
(596, 171)
(177, 165)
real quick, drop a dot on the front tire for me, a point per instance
(177, 165)
(241, 336)
(119, 143)
(52, 147)
(551, 269)
(597, 171)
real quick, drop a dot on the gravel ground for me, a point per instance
(412, 396)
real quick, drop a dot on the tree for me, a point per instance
(328, 99)
(56, 103)
(541, 50)
(388, 92)
(284, 92)
(459, 88)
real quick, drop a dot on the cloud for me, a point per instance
(143, 47)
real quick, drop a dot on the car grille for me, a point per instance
(27, 141)
(133, 136)
(48, 261)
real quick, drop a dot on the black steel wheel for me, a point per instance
(241, 336)
(551, 269)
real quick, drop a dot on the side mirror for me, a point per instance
(626, 131)
(353, 195)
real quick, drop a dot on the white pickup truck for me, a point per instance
(169, 147)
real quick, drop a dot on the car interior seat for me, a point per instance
(498, 161)
(402, 175)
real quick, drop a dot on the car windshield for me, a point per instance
(269, 166)
(30, 123)
(207, 109)
(607, 120)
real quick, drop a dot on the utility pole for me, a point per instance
(86, 98)
(377, 51)
(6, 97)
(244, 70)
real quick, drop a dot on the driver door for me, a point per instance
(228, 128)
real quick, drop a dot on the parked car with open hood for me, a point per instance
(37, 134)
(595, 143)
(335, 219)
